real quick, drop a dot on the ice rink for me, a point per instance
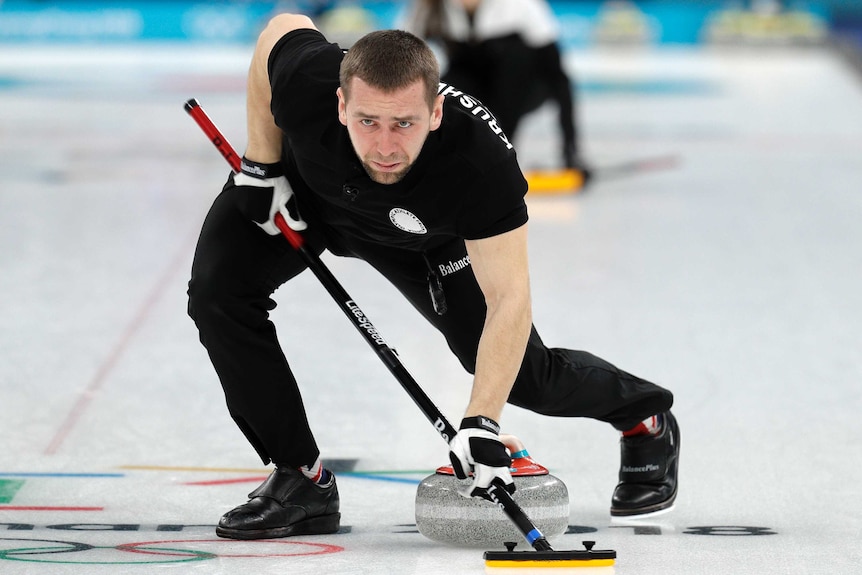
(732, 276)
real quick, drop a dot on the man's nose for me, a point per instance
(386, 143)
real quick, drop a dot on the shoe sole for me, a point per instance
(650, 510)
(322, 525)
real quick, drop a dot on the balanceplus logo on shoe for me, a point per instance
(642, 469)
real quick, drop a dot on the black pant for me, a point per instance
(236, 269)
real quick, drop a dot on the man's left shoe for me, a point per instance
(286, 504)
(648, 471)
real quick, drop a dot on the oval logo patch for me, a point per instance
(406, 221)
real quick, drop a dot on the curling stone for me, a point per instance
(442, 514)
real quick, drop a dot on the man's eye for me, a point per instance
(366, 122)
(404, 124)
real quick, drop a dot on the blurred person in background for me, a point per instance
(506, 53)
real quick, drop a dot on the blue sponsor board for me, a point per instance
(584, 23)
(101, 22)
(692, 22)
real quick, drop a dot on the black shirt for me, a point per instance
(465, 183)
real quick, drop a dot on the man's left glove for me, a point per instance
(267, 194)
(477, 447)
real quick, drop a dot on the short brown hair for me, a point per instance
(390, 60)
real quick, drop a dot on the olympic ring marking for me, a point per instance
(73, 546)
(184, 555)
(195, 556)
(322, 548)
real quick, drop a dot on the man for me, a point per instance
(425, 187)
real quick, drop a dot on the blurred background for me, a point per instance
(585, 23)
(43, 43)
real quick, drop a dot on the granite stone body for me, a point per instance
(443, 515)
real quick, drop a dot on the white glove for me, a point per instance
(268, 194)
(477, 448)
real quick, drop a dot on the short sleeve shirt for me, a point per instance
(466, 182)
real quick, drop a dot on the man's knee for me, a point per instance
(212, 298)
(205, 301)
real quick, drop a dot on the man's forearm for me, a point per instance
(499, 357)
(500, 266)
(264, 137)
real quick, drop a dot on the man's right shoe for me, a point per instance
(286, 504)
(649, 466)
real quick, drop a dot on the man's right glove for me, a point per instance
(477, 448)
(267, 193)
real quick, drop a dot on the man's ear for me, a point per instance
(342, 106)
(437, 112)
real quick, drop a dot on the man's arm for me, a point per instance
(264, 137)
(500, 266)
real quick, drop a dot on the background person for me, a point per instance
(507, 54)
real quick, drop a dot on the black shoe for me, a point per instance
(648, 471)
(287, 503)
(572, 161)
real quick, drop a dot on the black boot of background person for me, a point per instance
(287, 503)
(573, 161)
(648, 471)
